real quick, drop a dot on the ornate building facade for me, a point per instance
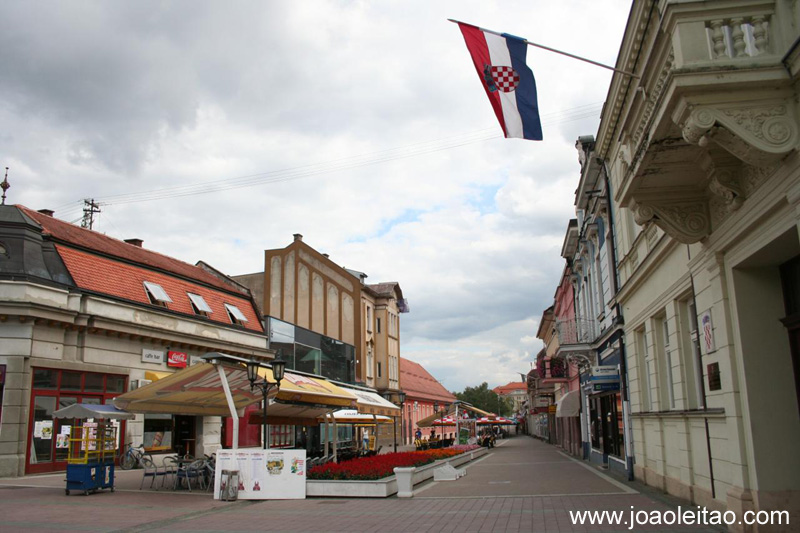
(701, 147)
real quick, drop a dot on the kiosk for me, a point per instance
(92, 446)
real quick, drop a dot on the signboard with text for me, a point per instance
(152, 356)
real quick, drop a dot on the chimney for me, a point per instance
(298, 237)
(135, 242)
(48, 212)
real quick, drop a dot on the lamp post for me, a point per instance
(265, 386)
(401, 399)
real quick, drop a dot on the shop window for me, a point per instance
(115, 384)
(158, 431)
(45, 378)
(93, 382)
(199, 304)
(281, 436)
(235, 315)
(71, 381)
(156, 294)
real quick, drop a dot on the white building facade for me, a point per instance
(702, 152)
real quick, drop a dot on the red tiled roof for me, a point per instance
(85, 238)
(123, 280)
(510, 387)
(418, 383)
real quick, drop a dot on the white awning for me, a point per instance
(569, 404)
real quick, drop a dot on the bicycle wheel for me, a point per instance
(127, 462)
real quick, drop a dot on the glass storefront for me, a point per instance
(53, 390)
(307, 351)
(607, 430)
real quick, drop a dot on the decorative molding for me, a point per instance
(687, 219)
(759, 135)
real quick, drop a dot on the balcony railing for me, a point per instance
(576, 331)
(552, 369)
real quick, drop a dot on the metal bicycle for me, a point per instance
(132, 455)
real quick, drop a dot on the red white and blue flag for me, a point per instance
(509, 83)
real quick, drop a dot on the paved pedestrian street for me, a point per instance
(522, 485)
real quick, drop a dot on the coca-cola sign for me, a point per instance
(177, 359)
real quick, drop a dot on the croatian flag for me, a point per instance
(509, 83)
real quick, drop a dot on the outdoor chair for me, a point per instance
(171, 467)
(149, 469)
(193, 471)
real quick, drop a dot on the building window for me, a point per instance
(369, 319)
(199, 304)
(691, 348)
(370, 362)
(379, 369)
(156, 294)
(281, 436)
(378, 324)
(158, 431)
(669, 384)
(235, 315)
(644, 369)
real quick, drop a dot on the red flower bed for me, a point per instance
(378, 466)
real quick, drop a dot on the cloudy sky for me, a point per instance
(216, 130)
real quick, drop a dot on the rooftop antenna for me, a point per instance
(90, 207)
(5, 185)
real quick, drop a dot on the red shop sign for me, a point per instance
(177, 359)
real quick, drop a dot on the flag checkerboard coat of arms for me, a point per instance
(503, 79)
(507, 80)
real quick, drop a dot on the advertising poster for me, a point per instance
(264, 474)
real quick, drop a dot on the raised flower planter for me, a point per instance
(386, 486)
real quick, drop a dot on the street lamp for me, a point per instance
(401, 398)
(265, 386)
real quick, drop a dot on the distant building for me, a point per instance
(424, 397)
(516, 391)
(325, 319)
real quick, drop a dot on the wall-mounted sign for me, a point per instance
(177, 359)
(541, 401)
(195, 359)
(603, 387)
(605, 373)
(152, 356)
(708, 331)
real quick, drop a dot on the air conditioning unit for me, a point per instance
(136, 383)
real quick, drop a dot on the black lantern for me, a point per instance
(265, 386)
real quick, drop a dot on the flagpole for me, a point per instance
(529, 43)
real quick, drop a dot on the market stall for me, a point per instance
(92, 441)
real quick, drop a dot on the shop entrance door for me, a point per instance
(185, 434)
